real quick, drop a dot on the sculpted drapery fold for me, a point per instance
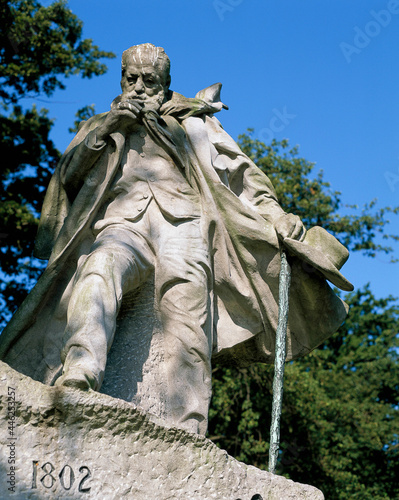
(240, 206)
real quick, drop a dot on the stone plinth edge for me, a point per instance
(65, 443)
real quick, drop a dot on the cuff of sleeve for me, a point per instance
(92, 143)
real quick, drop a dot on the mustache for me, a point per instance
(135, 98)
(142, 96)
(153, 102)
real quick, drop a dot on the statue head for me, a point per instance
(145, 74)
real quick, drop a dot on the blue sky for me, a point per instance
(329, 67)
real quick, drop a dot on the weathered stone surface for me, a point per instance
(73, 444)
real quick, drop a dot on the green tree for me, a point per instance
(340, 421)
(39, 47)
(339, 426)
(82, 115)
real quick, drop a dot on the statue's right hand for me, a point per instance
(125, 113)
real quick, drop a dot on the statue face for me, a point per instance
(143, 82)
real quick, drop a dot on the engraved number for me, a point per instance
(66, 476)
(48, 474)
(70, 476)
(35, 463)
(84, 479)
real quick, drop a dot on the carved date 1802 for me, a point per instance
(66, 477)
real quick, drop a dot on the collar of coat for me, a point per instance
(159, 124)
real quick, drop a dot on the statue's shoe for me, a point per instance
(77, 379)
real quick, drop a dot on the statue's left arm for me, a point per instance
(248, 182)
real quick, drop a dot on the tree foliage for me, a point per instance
(40, 46)
(339, 428)
(340, 420)
(82, 114)
(31, 157)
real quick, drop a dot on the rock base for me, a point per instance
(63, 443)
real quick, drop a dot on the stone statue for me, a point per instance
(155, 189)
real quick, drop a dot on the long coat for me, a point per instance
(239, 207)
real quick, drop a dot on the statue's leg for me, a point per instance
(183, 280)
(118, 262)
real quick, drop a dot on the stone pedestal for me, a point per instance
(64, 443)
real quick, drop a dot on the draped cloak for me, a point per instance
(239, 207)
